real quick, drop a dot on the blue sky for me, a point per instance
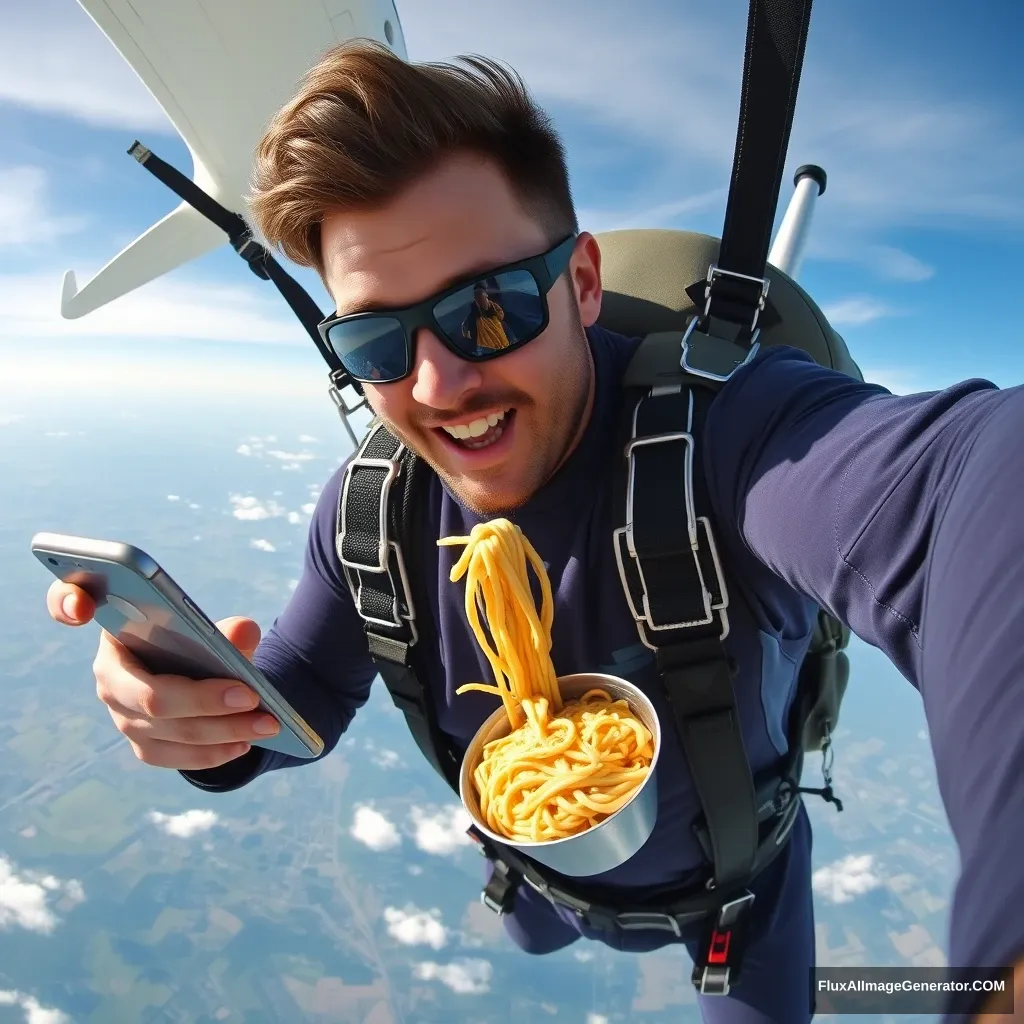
(914, 110)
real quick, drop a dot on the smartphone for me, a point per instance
(140, 605)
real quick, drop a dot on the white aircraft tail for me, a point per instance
(220, 69)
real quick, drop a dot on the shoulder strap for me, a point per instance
(378, 519)
(676, 590)
(677, 594)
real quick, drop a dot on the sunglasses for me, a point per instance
(479, 318)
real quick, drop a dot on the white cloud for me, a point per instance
(386, 759)
(844, 880)
(855, 311)
(899, 265)
(374, 830)
(465, 977)
(25, 898)
(35, 1013)
(250, 508)
(8, 418)
(901, 148)
(309, 508)
(25, 214)
(413, 927)
(292, 457)
(661, 215)
(172, 307)
(54, 59)
(262, 545)
(441, 832)
(174, 497)
(583, 955)
(597, 1018)
(308, 439)
(185, 825)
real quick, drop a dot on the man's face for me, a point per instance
(459, 220)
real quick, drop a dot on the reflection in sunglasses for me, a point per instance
(484, 325)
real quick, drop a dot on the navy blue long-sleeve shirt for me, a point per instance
(899, 514)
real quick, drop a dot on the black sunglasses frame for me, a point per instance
(545, 269)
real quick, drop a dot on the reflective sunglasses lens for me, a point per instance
(497, 312)
(370, 349)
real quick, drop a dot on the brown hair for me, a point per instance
(366, 123)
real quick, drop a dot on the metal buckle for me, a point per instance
(385, 549)
(685, 363)
(698, 371)
(714, 976)
(402, 595)
(713, 980)
(339, 400)
(625, 533)
(640, 919)
(715, 271)
(491, 904)
(392, 469)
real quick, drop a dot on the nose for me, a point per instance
(441, 380)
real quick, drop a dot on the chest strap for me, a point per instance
(378, 517)
(677, 595)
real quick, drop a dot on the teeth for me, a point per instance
(476, 428)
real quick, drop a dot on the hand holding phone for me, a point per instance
(185, 719)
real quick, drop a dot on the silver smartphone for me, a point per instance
(140, 605)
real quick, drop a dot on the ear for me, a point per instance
(585, 275)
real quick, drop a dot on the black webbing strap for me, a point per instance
(260, 262)
(677, 594)
(776, 40)
(378, 518)
(735, 291)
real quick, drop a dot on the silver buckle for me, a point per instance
(714, 978)
(386, 547)
(391, 468)
(714, 981)
(491, 904)
(685, 362)
(641, 919)
(643, 617)
(401, 592)
(345, 410)
(715, 271)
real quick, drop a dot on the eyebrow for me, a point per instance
(465, 277)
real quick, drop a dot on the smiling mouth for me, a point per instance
(481, 432)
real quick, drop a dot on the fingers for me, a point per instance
(68, 604)
(242, 632)
(183, 758)
(223, 730)
(123, 683)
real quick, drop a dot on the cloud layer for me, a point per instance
(846, 879)
(184, 825)
(27, 898)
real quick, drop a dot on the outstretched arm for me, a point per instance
(902, 516)
(315, 654)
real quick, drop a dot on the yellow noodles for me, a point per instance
(560, 770)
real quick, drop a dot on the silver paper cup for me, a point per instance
(611, 842)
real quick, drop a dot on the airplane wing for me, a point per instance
(220, 69)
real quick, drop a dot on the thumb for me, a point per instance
(242, 632)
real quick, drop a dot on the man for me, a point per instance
(484, 326)
(398, 182)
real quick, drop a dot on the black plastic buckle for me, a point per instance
(499, 892)
(718, 966)
(252, 252)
